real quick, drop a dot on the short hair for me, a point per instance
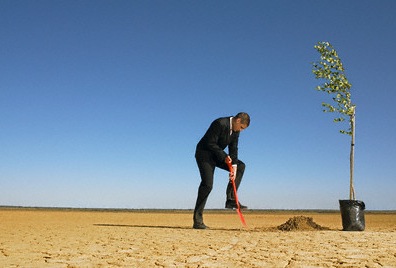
(245, 118)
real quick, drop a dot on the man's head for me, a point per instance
(240, 122)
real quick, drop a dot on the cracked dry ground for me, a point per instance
(61, 238)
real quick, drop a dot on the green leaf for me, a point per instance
(331, 71)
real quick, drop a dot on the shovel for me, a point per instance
(232, 169)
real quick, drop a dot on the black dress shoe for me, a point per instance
(201, 226)
(232, 204)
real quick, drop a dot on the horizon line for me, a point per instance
(6, 207)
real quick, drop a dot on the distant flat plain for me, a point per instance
(67, 237)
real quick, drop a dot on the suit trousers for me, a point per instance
(206, 170)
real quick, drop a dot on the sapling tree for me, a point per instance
(331, 70)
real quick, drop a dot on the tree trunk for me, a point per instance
(352, 158)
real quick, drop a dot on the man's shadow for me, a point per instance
(257, 229)
(162, 227)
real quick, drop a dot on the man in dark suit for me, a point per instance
(210, 153)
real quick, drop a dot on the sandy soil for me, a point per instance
(70, 238)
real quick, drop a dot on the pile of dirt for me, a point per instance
(300, 223)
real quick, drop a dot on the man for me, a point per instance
(210, 153)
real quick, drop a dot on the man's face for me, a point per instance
(237, 126)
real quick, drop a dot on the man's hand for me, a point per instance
(228, 161)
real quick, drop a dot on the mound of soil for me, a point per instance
(300, 223)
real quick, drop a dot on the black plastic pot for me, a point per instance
(352, 213)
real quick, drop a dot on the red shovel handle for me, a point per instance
(229, 166)
(236, 195)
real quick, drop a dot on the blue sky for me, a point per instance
(103, 102)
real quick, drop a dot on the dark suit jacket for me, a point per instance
(216, 139)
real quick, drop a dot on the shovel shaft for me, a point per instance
(236, 195)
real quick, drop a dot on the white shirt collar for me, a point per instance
(231, 125)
